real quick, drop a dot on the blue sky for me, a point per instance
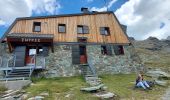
(140, 16)
(68, 7)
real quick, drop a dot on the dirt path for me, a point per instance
(166, 96)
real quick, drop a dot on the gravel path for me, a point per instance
(166, 96)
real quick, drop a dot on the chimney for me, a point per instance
(84, 10)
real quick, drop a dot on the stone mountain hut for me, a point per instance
(61, 45)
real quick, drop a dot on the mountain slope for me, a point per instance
(154, 53)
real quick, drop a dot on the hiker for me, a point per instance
(140, 82)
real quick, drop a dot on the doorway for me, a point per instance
(83, 54)
(31, 52)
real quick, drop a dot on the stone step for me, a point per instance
(18, 73)
(93, 82)
(20, 70)
(90, 75)
(10, 76)
(84, 64)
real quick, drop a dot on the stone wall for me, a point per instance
(106, 64)
(59, 63)
(4, 56)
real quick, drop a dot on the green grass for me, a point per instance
(2, 88)
(58, 88)
(120, 84)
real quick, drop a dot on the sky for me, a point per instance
(144, 18)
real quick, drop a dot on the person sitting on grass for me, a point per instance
(141, 83)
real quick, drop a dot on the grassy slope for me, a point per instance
(120, 84)
(154, 59)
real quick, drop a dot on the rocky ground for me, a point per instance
(154, 53)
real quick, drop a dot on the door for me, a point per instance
(30, 55)
(83, 56)
(75, 54)
(20, 56)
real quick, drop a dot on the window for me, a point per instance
(62, 28)
(82, 29)
(37, 26)
(104, 31)
(79, 29)
(118, 49)
(106, 50)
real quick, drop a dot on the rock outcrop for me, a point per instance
(168, 38)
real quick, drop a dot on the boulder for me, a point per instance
(44, 94)
(105, 95)
(161, 83)
(158, 74)
(39, 97)
(93, 88)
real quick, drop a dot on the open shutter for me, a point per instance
(45, 51)
(102, 30)
(109, 49)
(116, 49)
(75, 54)
(86, 29)
(20, 56)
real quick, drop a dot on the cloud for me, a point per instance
(11, 9)
(143, 18)
(43, 6)
(104, 8)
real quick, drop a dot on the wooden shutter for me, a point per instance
(85, 29)
(75, 54)
(116, 49)
(109, 49)
(102, 30)
(20, 56)
(45, 51)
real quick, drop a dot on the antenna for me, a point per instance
(106, 4)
